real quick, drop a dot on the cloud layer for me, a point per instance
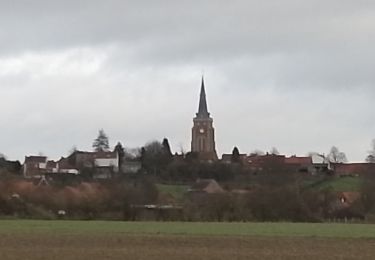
(289, 74)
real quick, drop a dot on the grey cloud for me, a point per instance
(255, 24)
(272, 68)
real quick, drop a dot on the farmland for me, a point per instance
(159, 240)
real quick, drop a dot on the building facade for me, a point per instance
(203, 132)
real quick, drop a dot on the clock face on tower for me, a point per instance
(201, 130)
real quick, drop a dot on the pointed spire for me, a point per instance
(202, 110)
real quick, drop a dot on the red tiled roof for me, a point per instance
(298, 160)
(353, 168)
(349, 196)
(265, 159)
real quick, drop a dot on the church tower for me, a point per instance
(203, 132)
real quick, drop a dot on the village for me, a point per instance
(234, 175)
(112, 164)
(156, 130)
(153, 183)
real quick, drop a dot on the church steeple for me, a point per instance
(203, 132)
(202, 110)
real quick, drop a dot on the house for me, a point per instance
(352, 169)
(39, 166)
(296, 160)
(34, 166)
(265, 162)
(10, 166)
(299, 164)
(64, 166)
(81, 159)
(228, 158)
(206, 186)
(275, 162)
(106, 160)
(103, 163)
(51, 166)
(106, 164)
(320, 163)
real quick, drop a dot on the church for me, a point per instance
(203, 132)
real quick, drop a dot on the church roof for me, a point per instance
(202, 110)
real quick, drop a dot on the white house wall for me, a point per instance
(107, 162)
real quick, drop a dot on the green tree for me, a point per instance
(235, 155)
(101, 143)
(151, 157)
(121, 153)
(166, 147)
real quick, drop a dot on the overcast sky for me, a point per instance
(296, 75)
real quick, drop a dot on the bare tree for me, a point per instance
(181, 148)
(257, 152)
(274, 151)
(335, 156)
(72, 150)
(371, 154)
(132, 153)
(370, 158)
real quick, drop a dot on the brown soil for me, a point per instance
(93, 247)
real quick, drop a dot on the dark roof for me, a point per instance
(51, 164)
(95, 155)
(35, 159)
(64, 163)
(202, 109)
(105, 155)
